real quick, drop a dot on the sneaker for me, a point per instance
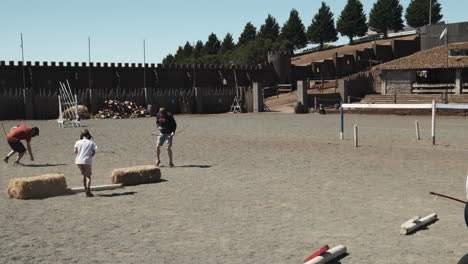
(5, 159)
(158, 162)
(16, 163)
(171, 164)
(89, 194)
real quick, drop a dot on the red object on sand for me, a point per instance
(317, 253)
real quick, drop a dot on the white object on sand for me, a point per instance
(410, 221)
(408, 228)
(467, 187)
(98, 187)
(328, 255)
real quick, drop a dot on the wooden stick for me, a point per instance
(448, 197)
(328, 255)
(418, 223)
(410, 221)
(97, 187)
(355, 135)
(417, 130)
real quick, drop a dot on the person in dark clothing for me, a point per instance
(167, 126)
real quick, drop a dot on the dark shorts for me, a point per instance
(17, 146)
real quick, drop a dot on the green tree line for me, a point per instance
(253, 44)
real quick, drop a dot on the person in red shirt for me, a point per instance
(14, 137)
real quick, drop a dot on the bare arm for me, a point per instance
(75, 151)
(28, 145)
(94, 152)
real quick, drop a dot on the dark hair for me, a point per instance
(35, 131)
(85, 133)
(163, 110)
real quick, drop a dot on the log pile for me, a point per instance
(118, 110)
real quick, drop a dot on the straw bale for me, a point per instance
(136, 175)
(83, 112)
(37, 187)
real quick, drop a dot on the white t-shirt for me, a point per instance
(85, 149)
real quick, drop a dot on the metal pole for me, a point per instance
(430, 12)
(144, 63)
(89, 62)
(22, 59)
(433, 121)
(342, 121)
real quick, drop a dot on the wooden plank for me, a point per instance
(432, 85)
(387, 106)
(452, 106)
(421, 90)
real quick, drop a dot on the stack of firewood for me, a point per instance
(117, 110)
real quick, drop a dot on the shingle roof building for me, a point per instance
(454, 55)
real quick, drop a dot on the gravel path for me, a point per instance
(252, 188)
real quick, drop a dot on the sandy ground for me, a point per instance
(251, 188)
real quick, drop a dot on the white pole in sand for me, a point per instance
(466, 187)
(355, 136)
(417, 130)
(433, 121)
(331, 254)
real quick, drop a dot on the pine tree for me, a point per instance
(212, 45)
(417, 13)
(352, 21)
(198, 50)
(322, 29)
(294, 31)
(179, 55)
(169, 59)
(188, 49)
(386, 15)
(269, 30)
(249, 33)
(227, 44)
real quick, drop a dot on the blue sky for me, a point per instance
(58, 30)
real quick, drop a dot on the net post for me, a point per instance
(341, 121)
(433, 121)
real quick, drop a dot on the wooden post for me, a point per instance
(408, 228)
(349, 99)
(355, 135)
(433, 121)
(315, 102)
(417, 130)
(257, 90)
(342, 121)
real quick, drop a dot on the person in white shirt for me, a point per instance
(85, 150)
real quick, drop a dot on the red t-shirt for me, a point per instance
(21, 132)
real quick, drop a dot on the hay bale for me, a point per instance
(37, 187)
(83, 112)
(136, 175)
